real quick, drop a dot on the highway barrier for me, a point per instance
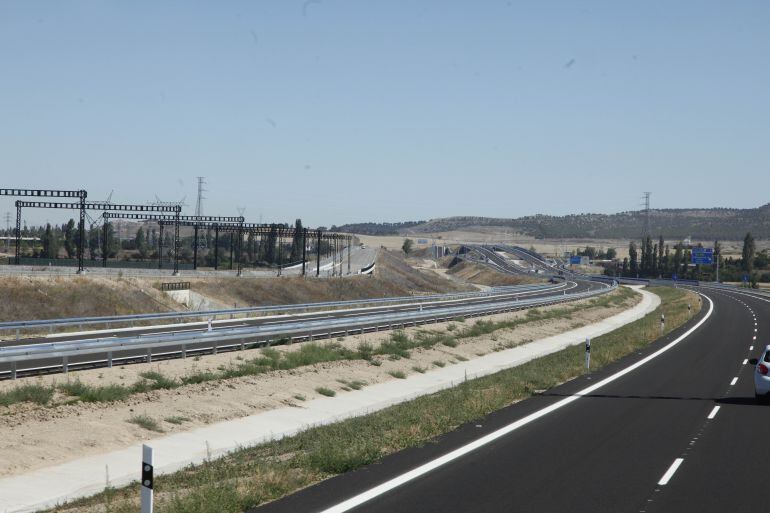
(131, 320)
(180, 343)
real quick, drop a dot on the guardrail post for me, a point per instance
(17, 335)
(65, 361)
(149, 355)
(243, 344)
(13, 370)
(184, 351)
(214, 349)
(109, 359)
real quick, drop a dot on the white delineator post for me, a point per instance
(588, 353)
(147, 479)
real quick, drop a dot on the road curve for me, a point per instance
(679, 433)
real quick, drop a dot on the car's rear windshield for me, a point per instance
(767, 356)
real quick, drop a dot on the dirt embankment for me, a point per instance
(393, 277)
(48, 298)
(483, 275)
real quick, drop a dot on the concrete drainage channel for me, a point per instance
(56, 357)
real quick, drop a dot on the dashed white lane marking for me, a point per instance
(745, 362)
(713, 412)
(751, 348)
(432, 465)
(670, 472)
(734, 381)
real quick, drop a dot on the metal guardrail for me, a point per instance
(213, 314)
(264, 334)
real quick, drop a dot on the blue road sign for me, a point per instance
(702, 256)
(674, 277)
(745, 278)
(574, 260)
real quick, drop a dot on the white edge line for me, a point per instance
(670, 472)
(713, 412)
(423, 469)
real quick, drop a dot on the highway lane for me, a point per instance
(727, 466)
(137, 355)
(605, 452)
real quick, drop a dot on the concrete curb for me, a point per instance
(53, 485)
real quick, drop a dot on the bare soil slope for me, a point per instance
(47, 298)
(482, 275)
(393, 277)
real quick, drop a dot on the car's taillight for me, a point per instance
(762, 368)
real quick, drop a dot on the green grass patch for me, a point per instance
(397, 374)
(146, 422)
(328, 392)
(31, 393)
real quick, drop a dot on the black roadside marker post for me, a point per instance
(147, 479)
(588, 354)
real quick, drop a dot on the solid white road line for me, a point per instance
(425, 468)
(713, 412)
(670, 472)
(734, 381)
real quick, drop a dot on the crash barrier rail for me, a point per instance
(213, 340)
(369, 269)
(18, 326)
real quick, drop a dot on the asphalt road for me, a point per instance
(130, 356)
(652, 440)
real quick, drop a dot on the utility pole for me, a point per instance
(201, 190)
(647, 213)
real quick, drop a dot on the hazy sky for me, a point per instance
(340, 111)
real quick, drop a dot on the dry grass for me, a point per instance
(482, 275)
(49, 298)
(394, 277)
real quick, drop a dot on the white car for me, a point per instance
(762, 375)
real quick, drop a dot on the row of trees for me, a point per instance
(655, 259)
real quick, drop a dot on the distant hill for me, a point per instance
(703, 223)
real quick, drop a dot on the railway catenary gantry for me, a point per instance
(80, 194)
(168, 214)
(279, 230)
(82, 206)
(195, 221)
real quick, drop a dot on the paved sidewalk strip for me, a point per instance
(86, 476)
